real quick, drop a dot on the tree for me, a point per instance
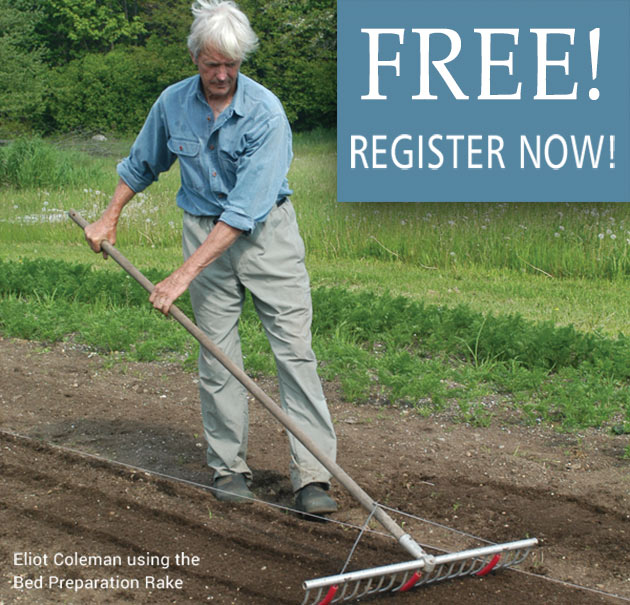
(113, 91)
(297, 57)
(22, 72)
(166, 20)
(93, 50)
(72, 28)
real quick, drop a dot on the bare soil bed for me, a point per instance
(62, 497)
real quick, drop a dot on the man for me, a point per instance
(233, 142)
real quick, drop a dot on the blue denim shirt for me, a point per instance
(234, 167)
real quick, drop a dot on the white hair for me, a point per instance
(223, 27)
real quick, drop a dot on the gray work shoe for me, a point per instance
(232, 488)
(313, 499)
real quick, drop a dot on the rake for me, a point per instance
(400, 577)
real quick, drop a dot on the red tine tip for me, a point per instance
(330, 595)
(488, 568)
(411, 582)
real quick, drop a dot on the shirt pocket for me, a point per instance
(188, 153)
(229, 167)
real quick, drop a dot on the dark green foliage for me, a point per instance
(71, 28)
(50, 301)
(297, 57)
(113, 91)
(166, 21)
(580, 397)
(463, 333)
(77, 283)
(93, 65)
(22, 85)
(407, 327)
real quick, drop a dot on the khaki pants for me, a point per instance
(269, 262)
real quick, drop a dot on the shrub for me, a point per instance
(113, 92)
(297, 57)
(296, 60)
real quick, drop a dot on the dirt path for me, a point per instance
(179, 544)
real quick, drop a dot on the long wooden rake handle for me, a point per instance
(404, 539)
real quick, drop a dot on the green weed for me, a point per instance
(382, 348)
(33, 163)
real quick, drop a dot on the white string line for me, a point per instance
(436, 524)
(328, 519)
(362, 529)
(359, 536)
(515, 569)
(203, 486)
(569, 584)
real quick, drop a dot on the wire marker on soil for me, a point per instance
(333, 590)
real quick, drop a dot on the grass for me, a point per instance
(433, 306)
(578, 241)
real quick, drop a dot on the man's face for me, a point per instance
(218, 74)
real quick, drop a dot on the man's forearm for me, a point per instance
(104, 229)
(217, 242)
(123, 194)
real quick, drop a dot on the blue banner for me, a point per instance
(483, 100)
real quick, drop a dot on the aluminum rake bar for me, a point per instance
(400, 577)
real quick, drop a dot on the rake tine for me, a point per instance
(443, 572)
(321, 595)
(358, 586)
(400, 583)
(524, 552)
(517, 557)
(488, 567)
(388, 587)
(383, 586)
(379, 585)
(446, 573)
(451, 573)
(511, 558)
(344, 590)
(395, 577)
(464, 570)
(329, 597)
(478, 565)
(307, 596)
(425, 577)
(368, 588)
(483, 566)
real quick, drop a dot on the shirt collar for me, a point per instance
(199, 90)
(238, 101)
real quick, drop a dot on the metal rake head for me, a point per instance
(401, 577)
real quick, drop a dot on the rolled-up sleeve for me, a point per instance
(260, 174)
(149, 155)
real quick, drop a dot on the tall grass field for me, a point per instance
(475, 309)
